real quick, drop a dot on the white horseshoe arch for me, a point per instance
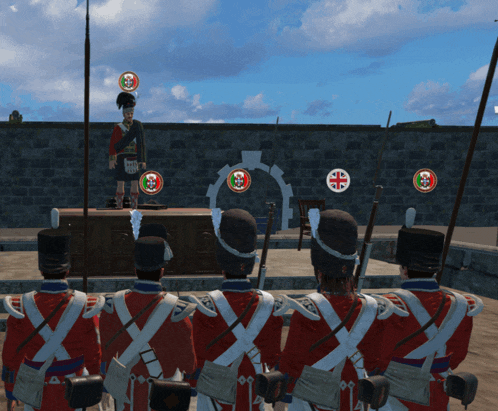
(250, 161)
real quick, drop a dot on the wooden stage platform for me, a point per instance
(111, 241)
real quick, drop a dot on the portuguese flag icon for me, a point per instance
(129, 81)
(150, 183)
(239, 180)
(425, 180)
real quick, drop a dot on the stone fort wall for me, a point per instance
(42, 166)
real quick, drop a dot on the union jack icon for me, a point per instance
(338, 180)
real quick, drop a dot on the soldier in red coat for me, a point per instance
(253, 346)
(80, 347)
(127, 150)
(419, 368)
(324, 375)
(169, 350)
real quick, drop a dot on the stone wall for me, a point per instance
(43, 163)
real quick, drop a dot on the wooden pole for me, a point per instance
(477, 126)
(87, 124)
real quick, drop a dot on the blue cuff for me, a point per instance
(10, 396)
(104, 390)
(194, 376)
(193, 392)
(102, 368)
(287, 399)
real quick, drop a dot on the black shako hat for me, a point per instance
(419, 249)
(153, 230)
(338, 230)
(149, 253)
(238, 230)
(54, 251)
(127, 101)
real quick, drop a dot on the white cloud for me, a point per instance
(452, 107)
(375, 27)
(196, 102)
(255, 103)
(180, 92)
(13, 8)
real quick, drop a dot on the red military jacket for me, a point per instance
(82, 343)
(135, 147)
(173, 342)
(238, 294)
(376, 347)
(430, 295)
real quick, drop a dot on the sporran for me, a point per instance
(131, 165)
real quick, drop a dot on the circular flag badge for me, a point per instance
(425, 180)
(151, 182)
(338, 180)
(239, 180)
(128, 81)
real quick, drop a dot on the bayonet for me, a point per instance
(264, 253)
(365, 251)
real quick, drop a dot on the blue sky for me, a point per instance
(234, 61)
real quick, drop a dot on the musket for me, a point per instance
(367, 245)
(264, 253)
(273, 158)
(382, 149)
(87, 124)
(269, 225)
(477, 126)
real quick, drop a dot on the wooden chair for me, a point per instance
(304, 207)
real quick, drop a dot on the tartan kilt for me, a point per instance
(120, 174)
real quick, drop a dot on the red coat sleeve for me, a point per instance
(203, 332)
(270, 338)
(109, 326)
(14, 335)
(296, 352)
(180, 347)
(458, 344)
(92, 349)
(117, 134)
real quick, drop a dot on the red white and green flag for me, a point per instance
(151, 183)
(425, 180)
(239, 180)
(128, 81)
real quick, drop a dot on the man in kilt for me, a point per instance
(127, 150)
